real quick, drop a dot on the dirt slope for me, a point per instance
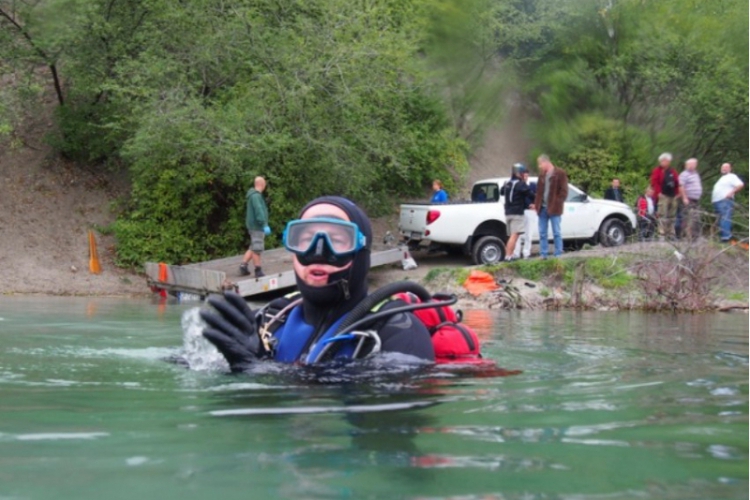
(47, 207)
(503, 146)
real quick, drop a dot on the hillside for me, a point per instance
(47, 206)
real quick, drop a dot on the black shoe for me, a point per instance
(259, 273)
(244, 271)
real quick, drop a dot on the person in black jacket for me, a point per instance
(330, 243)
(530, 221)
(614, 192)
(515, 192)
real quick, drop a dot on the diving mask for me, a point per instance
(323, 240)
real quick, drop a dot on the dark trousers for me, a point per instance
(646, 228)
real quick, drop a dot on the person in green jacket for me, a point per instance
(256, 221)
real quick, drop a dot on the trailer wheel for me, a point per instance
(488, 250)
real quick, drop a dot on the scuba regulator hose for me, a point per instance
(379, 295)
(361, 316)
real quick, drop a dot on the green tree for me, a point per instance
(618, 82)
(320, 97)
(196, 98)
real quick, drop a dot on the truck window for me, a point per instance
(485, 192)
(575, 195)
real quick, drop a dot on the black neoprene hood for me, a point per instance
(348, 287)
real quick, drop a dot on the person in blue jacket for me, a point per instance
(439, 195)
(330, 243)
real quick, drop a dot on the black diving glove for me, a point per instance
(231, 328)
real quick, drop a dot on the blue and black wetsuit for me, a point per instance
(323, 308)
(300, 332)
(302, 336)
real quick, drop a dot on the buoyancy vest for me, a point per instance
(293, 335)
(453, 342)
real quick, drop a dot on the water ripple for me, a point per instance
(59, 436)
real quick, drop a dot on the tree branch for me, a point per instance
(50, 64)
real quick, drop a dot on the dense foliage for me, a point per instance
(197, 98)
(367, 99)
(615, 83)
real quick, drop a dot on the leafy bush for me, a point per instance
(315, 105)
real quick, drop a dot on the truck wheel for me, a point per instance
(612, 233)
(488, 250)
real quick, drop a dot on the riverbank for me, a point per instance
(658, 276)
(48, 205)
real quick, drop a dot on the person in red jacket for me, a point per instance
(666, 185)
(646, 212)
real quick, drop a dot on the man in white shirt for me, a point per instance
(722, 198)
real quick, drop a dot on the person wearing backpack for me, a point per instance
(530, 221)
(332, 317)
(516, 193)
(666, 185)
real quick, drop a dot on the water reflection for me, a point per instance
(481, 321)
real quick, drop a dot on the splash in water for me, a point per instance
(198, 353)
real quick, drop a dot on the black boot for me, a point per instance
(259, 273)
(244, 271)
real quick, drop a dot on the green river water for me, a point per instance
(609, 406)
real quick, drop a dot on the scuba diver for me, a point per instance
(332, 317)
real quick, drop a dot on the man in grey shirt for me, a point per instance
(688, 223)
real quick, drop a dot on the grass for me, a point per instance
(608, 272)
(434, 273)
(537, 269)
(604, 271)
(738, 296)
(459, 275)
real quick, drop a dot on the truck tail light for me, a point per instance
(432, 216)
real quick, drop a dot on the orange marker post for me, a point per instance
(94, 266)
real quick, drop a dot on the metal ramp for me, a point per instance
(215, 276)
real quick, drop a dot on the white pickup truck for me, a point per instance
(477, 227)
